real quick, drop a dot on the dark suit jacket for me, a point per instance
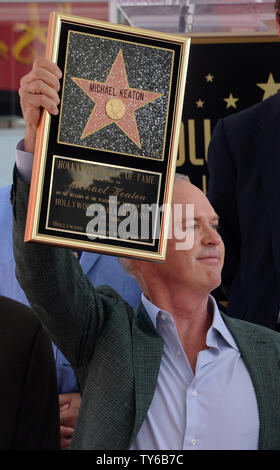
(244, 166)
(29, 414)
(115, 352)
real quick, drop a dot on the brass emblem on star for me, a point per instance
(115, 108)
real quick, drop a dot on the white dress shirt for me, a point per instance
(213, 409)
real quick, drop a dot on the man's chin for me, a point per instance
(215, 282)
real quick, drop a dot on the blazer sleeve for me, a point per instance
(222, 195)
(56, 288)
(37, 424)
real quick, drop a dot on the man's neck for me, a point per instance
(190, 312)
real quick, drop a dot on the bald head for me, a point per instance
(197, 267)
(186, 193)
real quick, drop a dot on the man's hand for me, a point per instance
(69, 404)
(38, 89)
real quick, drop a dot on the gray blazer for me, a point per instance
(115, 351)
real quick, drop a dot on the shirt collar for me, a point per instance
(152, 309)
(218, 329)
(218, 332)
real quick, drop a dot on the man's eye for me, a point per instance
(191, 226)
(216, 227)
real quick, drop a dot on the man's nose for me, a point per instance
(211, 236)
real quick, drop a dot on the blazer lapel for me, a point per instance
(261, 360)
(147, 352)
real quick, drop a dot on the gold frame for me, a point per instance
(47, 134)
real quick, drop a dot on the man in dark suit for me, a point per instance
(244, 169)
(175, 364)
(100, 269)
(29, 416)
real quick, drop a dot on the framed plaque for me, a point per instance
(104, 167)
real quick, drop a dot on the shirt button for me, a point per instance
(194, 393)
(193, 442)
(179, 353)
(163, 317)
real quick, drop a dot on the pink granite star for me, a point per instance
(115, 101)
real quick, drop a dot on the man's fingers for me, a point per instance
(42, 62)
(41, 75)
(65, 443)
(64, 398)
(66, 431)
(65, 436)
(64, 408)
(67, 419)
(29, 100)
(44, 69)
(38, 87)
